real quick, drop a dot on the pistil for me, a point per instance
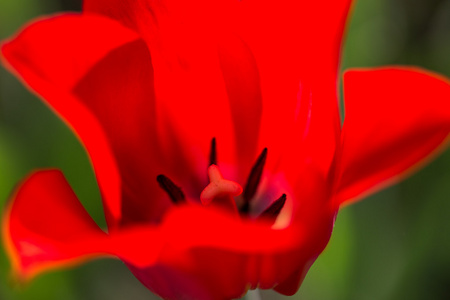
(220, 191)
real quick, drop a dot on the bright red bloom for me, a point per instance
(147, 85)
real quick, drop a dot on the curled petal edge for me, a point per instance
(397, 121)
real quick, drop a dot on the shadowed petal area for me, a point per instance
(119, 92)
(396, 118)
(219, 274)
(191, 93)
(207, 254)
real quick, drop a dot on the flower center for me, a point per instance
(222, 192)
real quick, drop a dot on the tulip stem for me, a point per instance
(253, 295)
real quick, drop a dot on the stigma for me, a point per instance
(220, 191)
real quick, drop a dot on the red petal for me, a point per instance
(98, 76)
(119, 91)
(189, 52)
(291, 71)
(46, 226)
(396, 118)
(210, 255)
(297, 45)
(206, 253)
(51, 55)
(242, 82)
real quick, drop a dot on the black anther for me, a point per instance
(253, 180)
(213, 153)
(175, 193)
(274, 209)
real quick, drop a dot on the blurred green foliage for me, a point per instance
(393, 245)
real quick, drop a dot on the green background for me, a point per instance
(393, 245)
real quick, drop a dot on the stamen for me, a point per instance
(175, 193)
(274, 209)
(253, 180)
(213, 153)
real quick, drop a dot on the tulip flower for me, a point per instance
(214, 132)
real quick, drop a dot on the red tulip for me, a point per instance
(214, 132)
